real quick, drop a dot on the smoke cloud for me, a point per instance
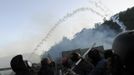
(84, 39)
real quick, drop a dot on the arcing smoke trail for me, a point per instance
(115, 18)
(102, 7)
(62, 20)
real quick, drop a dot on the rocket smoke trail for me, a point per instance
(102, 7)
(64, 19)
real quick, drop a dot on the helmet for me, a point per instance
(123, 46)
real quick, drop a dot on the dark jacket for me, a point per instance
(46, 68)
(100, 68)
(19, 66)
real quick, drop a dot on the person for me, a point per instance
(19, 66)
(123, 47)
(84, 67)
(94, 56)
(65, 62)
(47, 67)
(99, 63)
(108, 55)
(116, 67)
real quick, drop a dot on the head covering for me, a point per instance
(17, 64)
(75, 56)
(94, 55)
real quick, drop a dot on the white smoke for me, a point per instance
(84, 39)
(61, 21)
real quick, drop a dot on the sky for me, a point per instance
(24, 23)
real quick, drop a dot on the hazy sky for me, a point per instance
(24, 23)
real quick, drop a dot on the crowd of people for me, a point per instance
(118, 61)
